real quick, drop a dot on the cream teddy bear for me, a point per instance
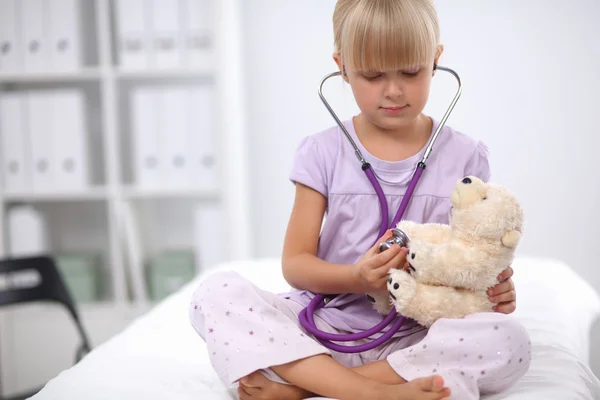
(452, 266)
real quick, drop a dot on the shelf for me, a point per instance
(133, 192)
(91, 194)
(85, 74)
(204, 71)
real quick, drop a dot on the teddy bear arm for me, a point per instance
(431, 303)
(430, 232)
(448, 264)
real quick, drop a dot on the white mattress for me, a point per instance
(160, 356)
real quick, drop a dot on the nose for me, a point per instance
(466, 181)
(394, 88)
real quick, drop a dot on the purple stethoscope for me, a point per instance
(306, 316)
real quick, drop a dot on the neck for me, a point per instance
(393, 144)
(414, 131)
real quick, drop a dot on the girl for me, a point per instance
(386, 50)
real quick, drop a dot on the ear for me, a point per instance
(338, 60)
(438, 54)
(511, 238)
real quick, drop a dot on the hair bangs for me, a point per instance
(386, 35)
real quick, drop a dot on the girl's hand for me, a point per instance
(371, 270)
(503, 294)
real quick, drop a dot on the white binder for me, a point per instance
(10, 48)
(132, 33)
(33, 22)
(27, 231)
(69, 133)
(198, 29)
(203, 138)
(173, 128)
(166, 35)
(147, 164)
(40, 113)
(64, 34)
(210, 244)
(14, 143)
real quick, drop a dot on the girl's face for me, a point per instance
(391, 99)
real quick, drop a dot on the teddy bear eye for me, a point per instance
(485, 198)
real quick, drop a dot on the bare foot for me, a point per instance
(430, 388)
(257, 386)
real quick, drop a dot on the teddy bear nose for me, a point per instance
(466, 181)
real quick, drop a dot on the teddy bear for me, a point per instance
(451, 266)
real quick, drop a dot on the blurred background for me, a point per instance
(144, 141)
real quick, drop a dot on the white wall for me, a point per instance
(531, 86)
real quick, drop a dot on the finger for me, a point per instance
(504, 297)
(392, 263)
(506, 274)
(375, 248)
(506, 308)
(384, 257)
(398, 260)
(500, 288)
(405, 266)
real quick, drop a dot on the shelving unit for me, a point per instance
(97, 223)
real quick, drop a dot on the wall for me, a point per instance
(530, 79)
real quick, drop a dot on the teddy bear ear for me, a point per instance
(511, 238)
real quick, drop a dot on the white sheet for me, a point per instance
(160, 356)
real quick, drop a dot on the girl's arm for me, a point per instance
(302, 269)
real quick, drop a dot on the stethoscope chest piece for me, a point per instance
(398, 237)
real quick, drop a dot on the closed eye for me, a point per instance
(411, 73)
(372, 77)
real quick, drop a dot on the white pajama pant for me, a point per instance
(248, 329)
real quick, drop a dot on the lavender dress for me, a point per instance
(248, 329)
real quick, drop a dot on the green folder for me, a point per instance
(81, 272)
(168, 271)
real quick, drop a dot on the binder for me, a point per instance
(202, 138)
(70, 138)
(147, 163)
(27, 231)
(33, 21)
(14, 143)
(132, 33)
(174, 136)
(10, 48)
(210, 243)
(64, 34)
(165, 34)
(198, 27)
(40, 112)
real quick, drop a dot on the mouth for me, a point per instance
(392, 295)
(411, 268)
(394, 109)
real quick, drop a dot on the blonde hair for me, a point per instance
(385, 34)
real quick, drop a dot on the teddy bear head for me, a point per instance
(486, 210)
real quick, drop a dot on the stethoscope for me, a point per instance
(306, 316)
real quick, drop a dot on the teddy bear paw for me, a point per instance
(418, 266)
(402, 287)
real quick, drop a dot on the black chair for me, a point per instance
(48, 286)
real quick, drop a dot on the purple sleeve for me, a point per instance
(479, 165)
(308, 167)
